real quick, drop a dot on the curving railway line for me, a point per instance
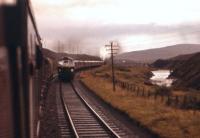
(78, 118)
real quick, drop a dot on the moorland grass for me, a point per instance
(168, 122)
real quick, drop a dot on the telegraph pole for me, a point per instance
(112, 49)
(113, 71)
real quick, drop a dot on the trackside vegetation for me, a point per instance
(166, 121)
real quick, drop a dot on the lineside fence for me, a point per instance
(187, 101)
(184, 102)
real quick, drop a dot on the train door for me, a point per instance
(33, 78)
(13, 115)
(6, 118)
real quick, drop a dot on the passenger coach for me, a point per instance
(20, 70)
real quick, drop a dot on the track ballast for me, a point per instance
(84, 121)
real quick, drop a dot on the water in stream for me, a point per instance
(160, 77)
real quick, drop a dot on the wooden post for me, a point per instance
(148, 93)
(184, 101)
(113, 71)
(168, 100)
(112, 52)
(177, 100)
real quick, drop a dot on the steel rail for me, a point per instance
(68, 115)
(113, 133)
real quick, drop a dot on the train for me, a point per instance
(67, 67)
(23, 71)
(87, 64)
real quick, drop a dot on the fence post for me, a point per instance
(143, 91)
(184, 101)
(131, 87)
(168, 100)
(176, 100)
(148, 92)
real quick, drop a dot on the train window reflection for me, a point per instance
(7, 2)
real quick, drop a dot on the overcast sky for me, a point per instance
(87, 25)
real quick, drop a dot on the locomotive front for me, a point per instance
(66, 68)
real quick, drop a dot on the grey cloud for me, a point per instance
(89, 3)
(46, 8)
(117, 30)
(91, 38)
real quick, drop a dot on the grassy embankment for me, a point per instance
(166, 121)
(136, 76)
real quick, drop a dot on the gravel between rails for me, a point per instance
(49, 128)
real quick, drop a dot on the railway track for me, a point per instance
(81, 118)
(119, 127)
(65, 130)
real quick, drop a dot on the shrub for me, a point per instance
(124, 69)
(163, 90)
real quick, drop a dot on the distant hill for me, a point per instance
(151, 55)
(58, 56)
(126, 63)
(50, 54)
(188, 72)
(171, 62)
(79, 56)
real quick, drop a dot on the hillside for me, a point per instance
(151, 55)
(50, 54)
(188, 72)
(80, 56)
(57, 56)
(171, 62)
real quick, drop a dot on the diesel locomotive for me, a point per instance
(66, 68)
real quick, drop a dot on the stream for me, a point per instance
(160, 77)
